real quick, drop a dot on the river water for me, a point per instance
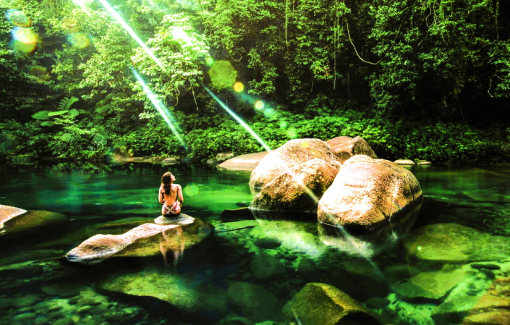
(37, 286)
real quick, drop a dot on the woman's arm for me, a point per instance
(160, 195)
(181, 198)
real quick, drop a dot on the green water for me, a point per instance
(37, 287)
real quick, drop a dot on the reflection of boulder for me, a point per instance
(369, 194)
(253, 301)
(296, 189)
(453, 243)
(319, 303)
(144, 240)
(346, 147)
(365, 279)
(293, 153)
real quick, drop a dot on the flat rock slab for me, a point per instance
(8, 212)
(144, 240)
(246, 162)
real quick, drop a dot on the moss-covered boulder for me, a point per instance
(319, 303)
(369, 194)
(144, 240)
(346, 147)
(297, 189)
(292, 153)
(254, 302)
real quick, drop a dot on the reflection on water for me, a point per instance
(452, 267)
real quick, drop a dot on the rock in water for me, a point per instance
(346, 147)
(319, 303)
(369, 194)
(145, 240)
(14, 221)
(292, 153)
(181, 219)
(246, 162)
(253, 301)
(290, 191)
(8, 212)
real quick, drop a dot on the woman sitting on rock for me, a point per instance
(170, 195)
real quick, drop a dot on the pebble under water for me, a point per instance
(452, 268)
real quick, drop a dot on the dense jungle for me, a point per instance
(417, 79)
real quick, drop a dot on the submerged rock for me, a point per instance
(254, 302)
(265, 266)
(14, 220)
(182, 293)
(296, 189)
(144, 240)
(369, 194)
(454, 243)
(346, 147)
(430, 285)
(319, 303)
(292, 153)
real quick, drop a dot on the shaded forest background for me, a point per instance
(417, 79)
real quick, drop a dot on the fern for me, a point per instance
(66, 103)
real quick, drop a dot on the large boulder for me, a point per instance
(144, 240)
(369, 194)
(319, 303)
(297, 189)
(293, 153)
(346, 147)
(246, 162)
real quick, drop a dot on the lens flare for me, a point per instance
(191, 190)
(24, 39)
(162, 110)
(209, 61)
(18, 18)
(180, 35)
(238, 87)
(131, 32)
(259, 105)
(222, 74)
(78, 40)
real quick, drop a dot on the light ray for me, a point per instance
(131, 32)
(162, 110)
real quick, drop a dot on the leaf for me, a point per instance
(58, 112)
(41, 115)
(74, 112)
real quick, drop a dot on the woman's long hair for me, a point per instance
(166, 179)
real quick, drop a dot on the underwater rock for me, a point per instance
(265, 266)
(345, 147)
(369, 194)
(180, 292)
(319, 303)
(254, 302)
(290, 191)
(454, 243)
(246, 162)
(144, 240)
(292, 153)
(14, 221)
(365, 280)
(430, 285)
